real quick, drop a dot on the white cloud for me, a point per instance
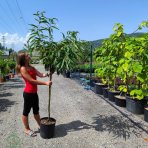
(14, 40)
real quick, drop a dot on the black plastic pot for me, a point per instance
(120, 100)
(98, 88)
(135, 106)
(67, 74)
(47, 131)
(92, 83)
(7, 77)
(146, 114)
(112, 94)
(105, 92)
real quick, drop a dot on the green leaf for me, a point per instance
(137, 67)
(128, 55)
(125, 67)
(138, 93)
(119, 34)
(142, 77)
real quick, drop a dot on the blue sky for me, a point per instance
(94, 19)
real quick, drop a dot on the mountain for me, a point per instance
(138, 34)
(97, 43)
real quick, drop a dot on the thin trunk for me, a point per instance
(139, 84)
(127, 83)
(115, 80)
(49, 97)
(108, 82)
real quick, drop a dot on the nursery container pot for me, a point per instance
(47, 127)
(105, 92)
(120, 100)
(99, 88)
(146, 114)
(135, 106)
(112, 94)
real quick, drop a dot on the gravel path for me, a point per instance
(84, 120)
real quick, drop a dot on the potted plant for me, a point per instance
(11, 64)
(58, 57)
(2, 66)
(110, 55)
(3, 69)
(101, 70)
(117, 53)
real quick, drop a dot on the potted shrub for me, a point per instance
(58, 57)
(110, 55)
(3, 69)
(11, 64)
(101, 70)
(117, 46)
(120, 100)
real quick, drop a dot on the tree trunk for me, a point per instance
(49, 97)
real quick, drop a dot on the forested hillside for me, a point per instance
(97, 43)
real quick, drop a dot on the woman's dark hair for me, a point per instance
(20, 61)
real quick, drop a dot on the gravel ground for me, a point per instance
(84, 120)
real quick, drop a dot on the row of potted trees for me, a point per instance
(123, 69)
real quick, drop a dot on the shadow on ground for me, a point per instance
(63, 129)
(5, 94)
(115, 125)
(5, 104)
(16, 80)
(12, 83)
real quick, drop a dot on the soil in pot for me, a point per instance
(47, 127)
(146, 114)
(112, 94)
(135, 106)
(120, 100)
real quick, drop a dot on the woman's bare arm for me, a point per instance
(25, 74)
(41, 74)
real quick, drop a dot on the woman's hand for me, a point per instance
(47, 74)
(49, 83)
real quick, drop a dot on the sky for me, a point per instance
(93, 19)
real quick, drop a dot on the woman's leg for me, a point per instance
(26, 123)
(36, 109)
(37, 118)
(26, 110)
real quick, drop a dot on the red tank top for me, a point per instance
(30, 88)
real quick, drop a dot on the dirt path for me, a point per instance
(84, 120)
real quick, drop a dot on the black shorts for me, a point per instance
(31, 100)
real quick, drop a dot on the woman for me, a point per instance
(30, 95)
